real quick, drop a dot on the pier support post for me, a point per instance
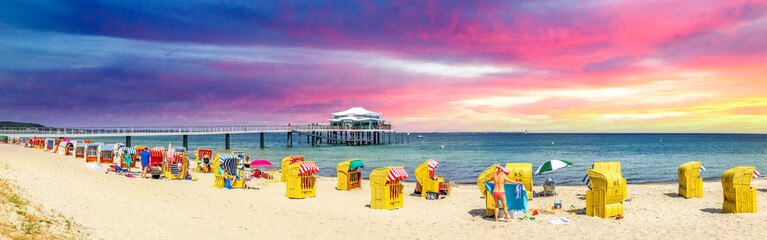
(127, 141)
(262, 140)
(389, 135)
(186, 141)
(408, 137)
(226, 136)
(290, 139)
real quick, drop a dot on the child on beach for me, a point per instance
(499, 192)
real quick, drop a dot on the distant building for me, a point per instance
(358, 118)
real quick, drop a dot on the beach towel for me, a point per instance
(514, 193)
(559, 221)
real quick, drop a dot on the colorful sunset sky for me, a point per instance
(546, 66)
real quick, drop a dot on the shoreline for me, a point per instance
(115, 207)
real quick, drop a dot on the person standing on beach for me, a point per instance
(145, 162)
(127, 159)
(499, 192)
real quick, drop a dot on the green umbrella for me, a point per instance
(552, 165)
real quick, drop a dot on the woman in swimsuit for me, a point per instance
(499, 193)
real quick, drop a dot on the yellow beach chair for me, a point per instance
(522, 172)
(614, 167)
(349, 176)
(199, 154)
(690, 183)
(425, 176)
(300, 182)
(385, 189)
(229, 161)
(171, 170)
(286, 161)
(605, 199)
(739, 197)
(484, 176)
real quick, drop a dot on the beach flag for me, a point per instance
(586, 180)
(702, 168)
(756, 174)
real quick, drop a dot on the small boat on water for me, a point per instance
(420, 136)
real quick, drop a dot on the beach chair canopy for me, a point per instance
(308, 168)
(131, 150)
(179, 149)
(92, 146)
(156, 152)
(294, 159)
(177, 157)
(432, 165)
(396, 173)
(229, 162)
(356, 164)
(201, 152)
(109, 147)
(80, 145)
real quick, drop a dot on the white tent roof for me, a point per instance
(356, 119)
(356, 111)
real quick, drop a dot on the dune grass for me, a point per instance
(29, 220)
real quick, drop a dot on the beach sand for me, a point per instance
(111, 206)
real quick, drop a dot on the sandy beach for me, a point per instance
(111, 206)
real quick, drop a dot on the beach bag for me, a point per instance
(228, 184)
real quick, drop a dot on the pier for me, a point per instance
(315, 134)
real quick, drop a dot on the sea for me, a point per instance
(645, 158)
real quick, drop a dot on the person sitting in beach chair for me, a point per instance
(206, 163)
(228, 177)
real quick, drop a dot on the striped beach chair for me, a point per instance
(301, 180)
(176, 167)
(131, 155)
(92, 152)
(199, 154)
(228, 162)
(385, 189)
(106, 153)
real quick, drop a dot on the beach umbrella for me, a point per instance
(552, 165)
(261, 163)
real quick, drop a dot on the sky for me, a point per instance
(545, 66)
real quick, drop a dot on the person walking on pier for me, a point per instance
(145, 163)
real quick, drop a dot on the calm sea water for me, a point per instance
(462, 156)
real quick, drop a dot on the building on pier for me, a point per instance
(358, 118)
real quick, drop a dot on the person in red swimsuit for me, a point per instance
(499, 193)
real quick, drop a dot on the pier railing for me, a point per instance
(175, 130)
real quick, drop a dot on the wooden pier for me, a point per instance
(315, 134)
